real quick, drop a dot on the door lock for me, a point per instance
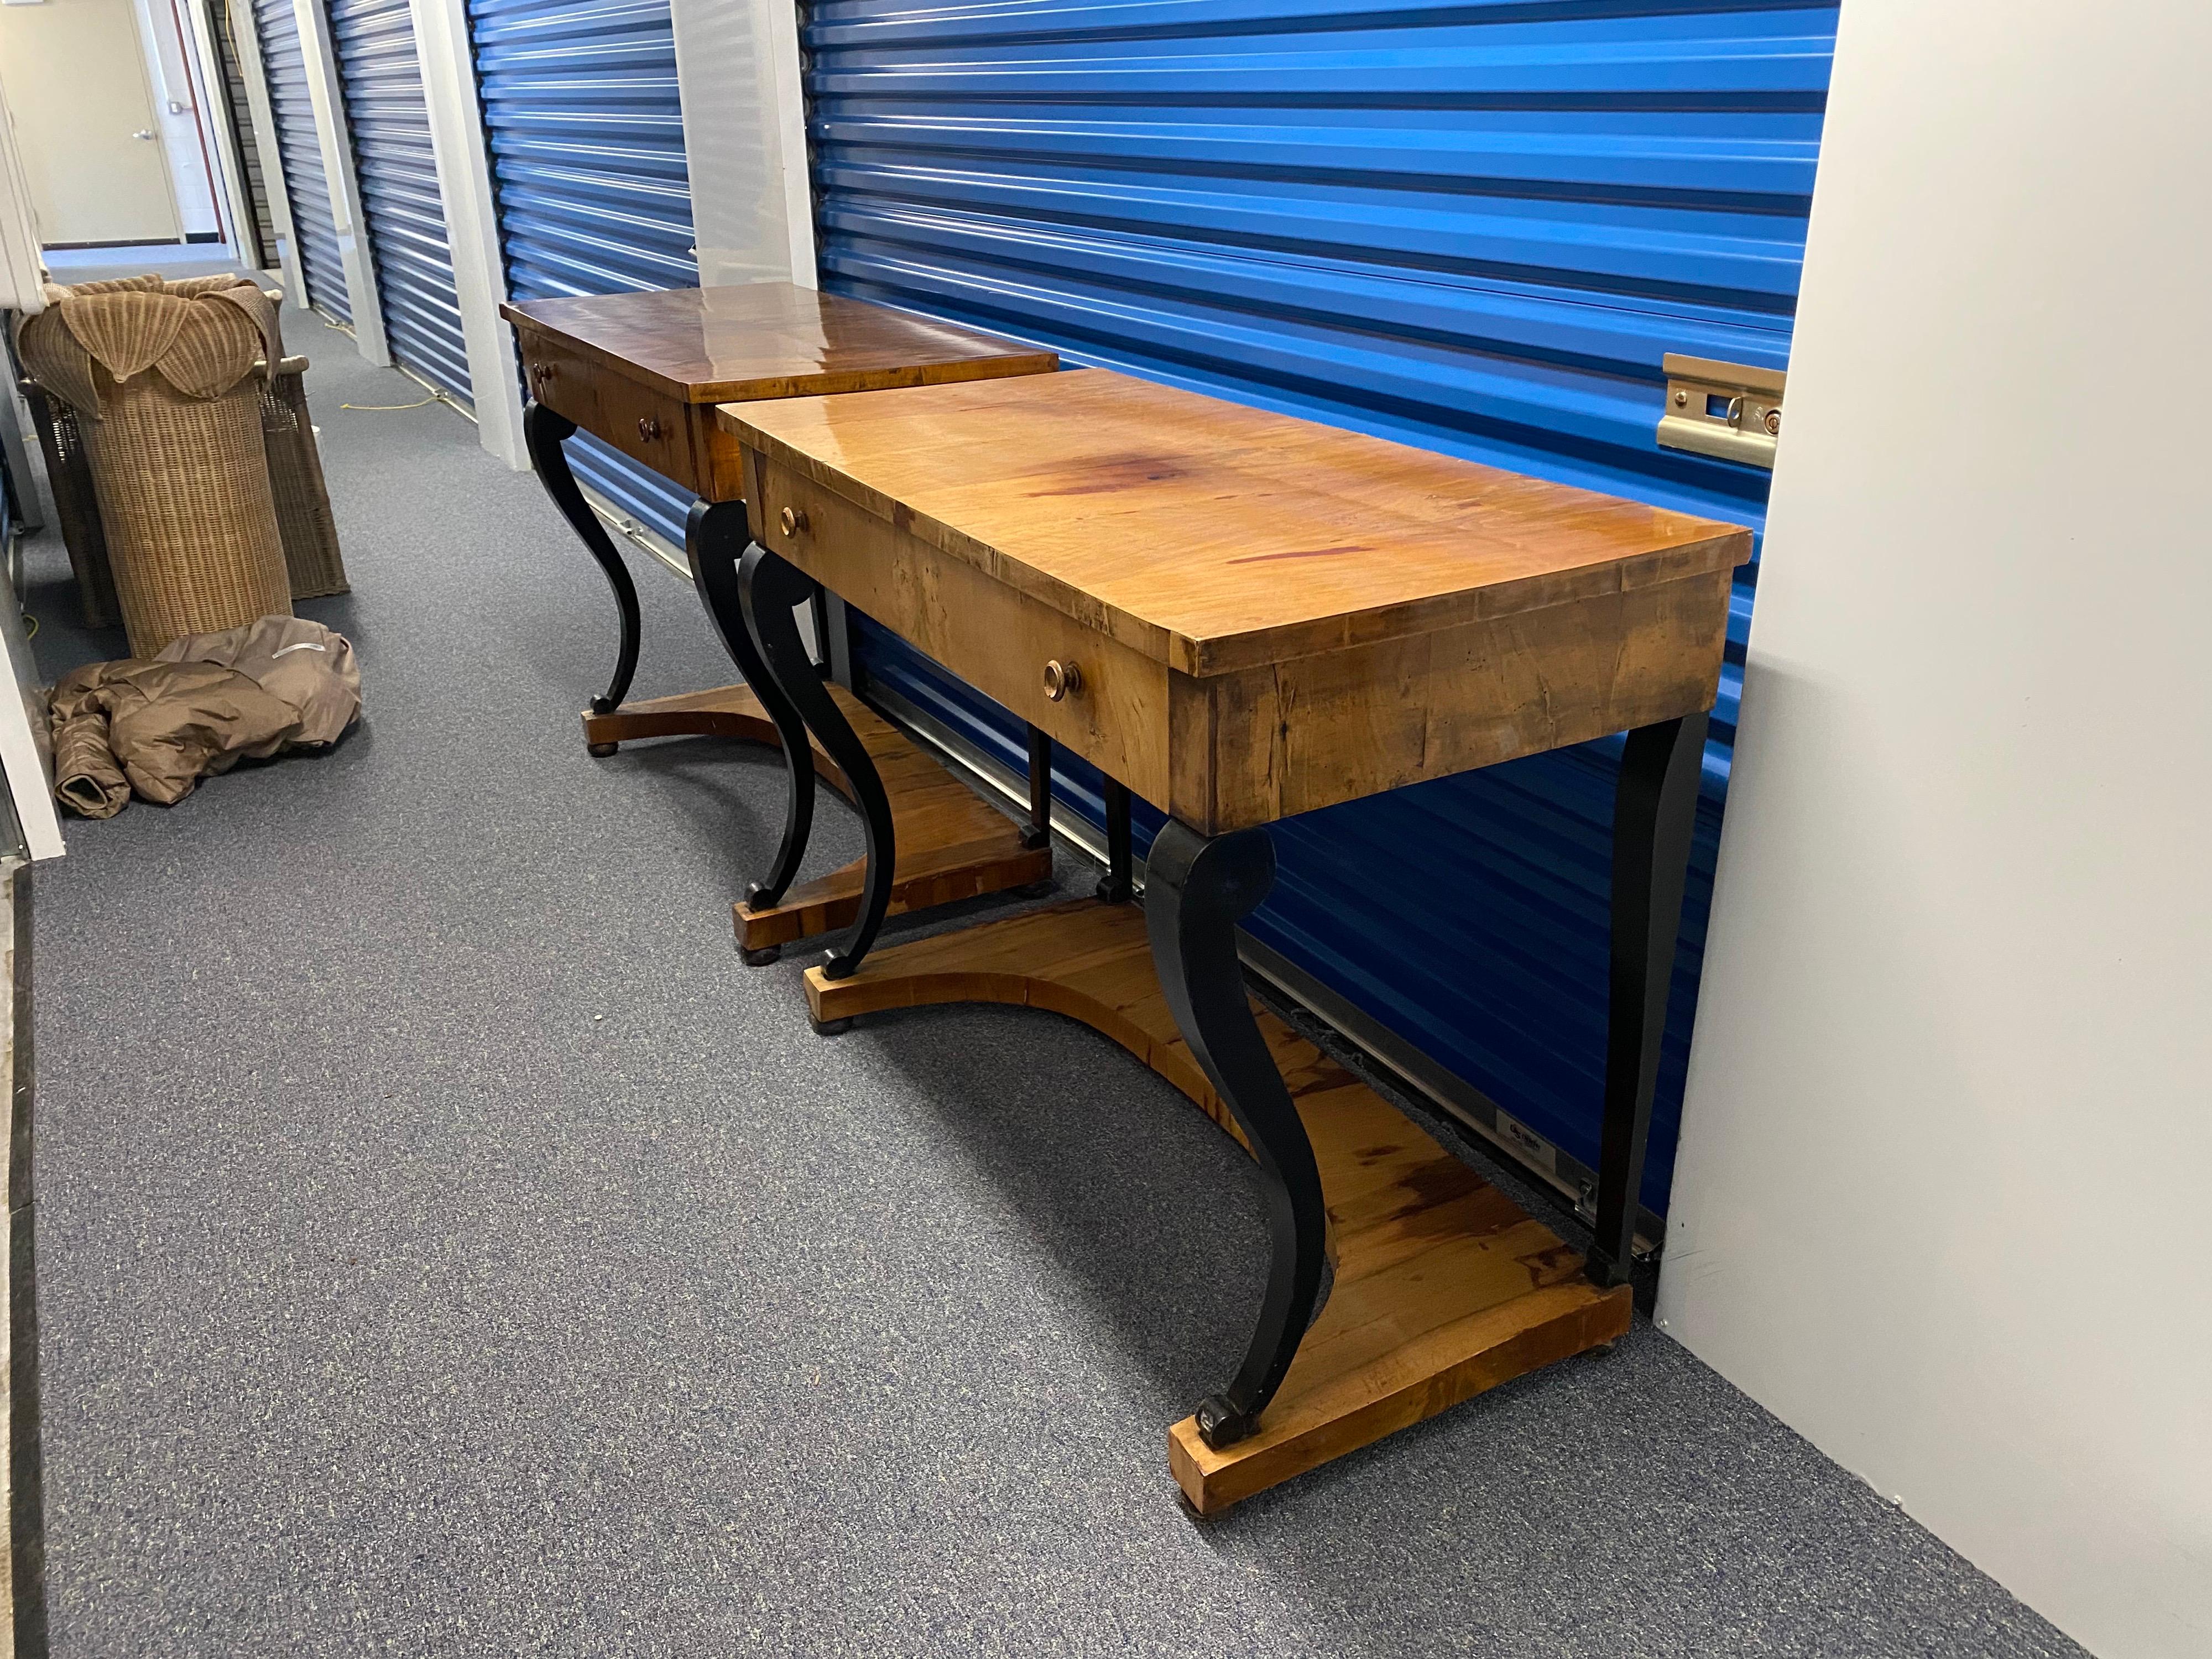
(1732, 411)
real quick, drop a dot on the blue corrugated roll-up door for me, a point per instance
(299, 152)
(593, 194)
(389, 119)
(1475, 227)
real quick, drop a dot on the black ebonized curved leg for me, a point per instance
(767, 589)
(1655, 811)
(544, 432)
(715, 538)
(1197, 891)
(1038, 831)
(1118, 885)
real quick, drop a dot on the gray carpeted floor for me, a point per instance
(447, 1247)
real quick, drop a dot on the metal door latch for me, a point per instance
(1732, 411)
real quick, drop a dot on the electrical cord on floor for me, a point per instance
(435, 397)
(384, 408)
(379, 409)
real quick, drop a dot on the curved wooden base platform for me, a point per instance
(726, 711)
(952, 844)
(1443, 1287)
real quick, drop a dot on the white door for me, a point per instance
(75, 76)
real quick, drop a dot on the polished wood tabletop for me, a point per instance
(1241, 616)
(1214, 537)
(767, 340)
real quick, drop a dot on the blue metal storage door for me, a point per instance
(389, 119)
(299, 151)
(1476, 227)
(593, 195)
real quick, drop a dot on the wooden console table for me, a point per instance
(643, 372)
(1241, 616)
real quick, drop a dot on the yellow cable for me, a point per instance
(387, 407)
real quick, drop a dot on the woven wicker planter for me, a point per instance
(155, 383)
(295, 479)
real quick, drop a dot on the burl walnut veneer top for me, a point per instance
(769, 340)
(1213, 537)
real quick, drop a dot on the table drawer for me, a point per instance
(649, 427)
(999, 641)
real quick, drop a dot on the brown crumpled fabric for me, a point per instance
(206, 702)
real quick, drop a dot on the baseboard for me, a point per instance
(25, 1628)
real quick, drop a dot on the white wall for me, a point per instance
(1948, 1149)
(745, 141)
(326, 95)
(245, 41)
(457, 140)
(176, 116)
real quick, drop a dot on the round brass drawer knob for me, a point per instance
(647, 428)
(795, 520)
(1062, 680)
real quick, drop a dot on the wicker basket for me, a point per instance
(207, 505)
(295, 478)
(184, 491)
(69, 475)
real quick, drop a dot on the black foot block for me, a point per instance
(1601, 1271)
(600, 750)
(761, 957)
(833, 1027)
(1035, 889)
(1221, 1424)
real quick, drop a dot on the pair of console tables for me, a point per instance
(1240, 616)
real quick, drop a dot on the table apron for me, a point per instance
(1231, 750)
(679, 440)
(1260, 743)
(996, 639)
